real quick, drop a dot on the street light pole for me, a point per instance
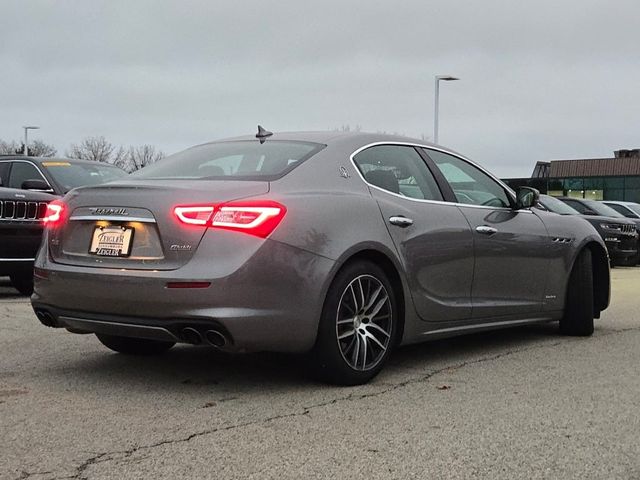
(26, 138)
(446, 78)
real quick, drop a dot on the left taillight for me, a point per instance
(257, 218)
(54, 214)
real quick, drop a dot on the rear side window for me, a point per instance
(398, 169)
(248, 160)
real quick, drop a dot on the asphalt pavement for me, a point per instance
(521, 403)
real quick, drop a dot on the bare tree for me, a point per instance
(139, 157)
(37, 148)
(120, 158)
(98, 149)
(348, 128)
(9, 148)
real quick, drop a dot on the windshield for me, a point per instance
(242, 160)
(633, 206)
(602, 209)
(71, 175)
(557, 206)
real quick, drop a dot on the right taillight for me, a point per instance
(256, 217)
(54, 214)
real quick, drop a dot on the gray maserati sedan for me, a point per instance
(340, 245)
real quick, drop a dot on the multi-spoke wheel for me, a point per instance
(358, 325)
(364, 322)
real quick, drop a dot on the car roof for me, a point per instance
(348, 141)
(620, 202)
(336, 137)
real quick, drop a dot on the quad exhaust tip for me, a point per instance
(45, 318)
(191, 335)
(215, 338)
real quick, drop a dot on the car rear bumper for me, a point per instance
(272, 301)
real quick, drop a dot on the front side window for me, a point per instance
(241, 160)
(4, 174)
(398, 169)
(469, 184)
(21, 172)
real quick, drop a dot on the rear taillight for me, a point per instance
(258, 218)
(53, 215)
(196, 215)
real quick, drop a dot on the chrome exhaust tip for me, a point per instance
(215, 338)
(191, 335)
(45, 318)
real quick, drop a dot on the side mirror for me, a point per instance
(36, 184)
(526, 197)
(588, 211)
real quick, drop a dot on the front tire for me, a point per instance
(134, 346)
(579, 310)
(358, 326)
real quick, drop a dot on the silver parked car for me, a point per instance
(343, 245)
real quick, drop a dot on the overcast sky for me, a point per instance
(540, 79)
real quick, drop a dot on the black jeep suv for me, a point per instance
(21, 213)
(618, 233)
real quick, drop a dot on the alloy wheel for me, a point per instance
(364, 322)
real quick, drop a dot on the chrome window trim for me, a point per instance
(34, 166)
(17, 259)
(438, 202)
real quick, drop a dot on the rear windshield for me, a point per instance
(242, 160)
(71, 175)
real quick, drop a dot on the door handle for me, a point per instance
(400, 221)
(485, 230)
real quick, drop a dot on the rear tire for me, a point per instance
(579, 310)
(134, 346)
(23, 282)
(358, 326)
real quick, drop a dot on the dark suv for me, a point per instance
(54, 175)
(21, 212)
(619, 233)
(33, 182)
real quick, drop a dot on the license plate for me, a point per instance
(111, 241)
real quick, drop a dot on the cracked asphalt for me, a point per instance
(521, 403)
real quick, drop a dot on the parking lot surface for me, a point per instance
(520, 403)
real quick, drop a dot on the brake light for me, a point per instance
(258, 217)
(198, 215)
(53, 215)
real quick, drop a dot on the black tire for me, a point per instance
(134, 346)
(23, 282)
(329, 362)
(579, 311)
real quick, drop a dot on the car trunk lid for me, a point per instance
(132, 224)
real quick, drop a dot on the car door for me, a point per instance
(432, 237)
(511, 247)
